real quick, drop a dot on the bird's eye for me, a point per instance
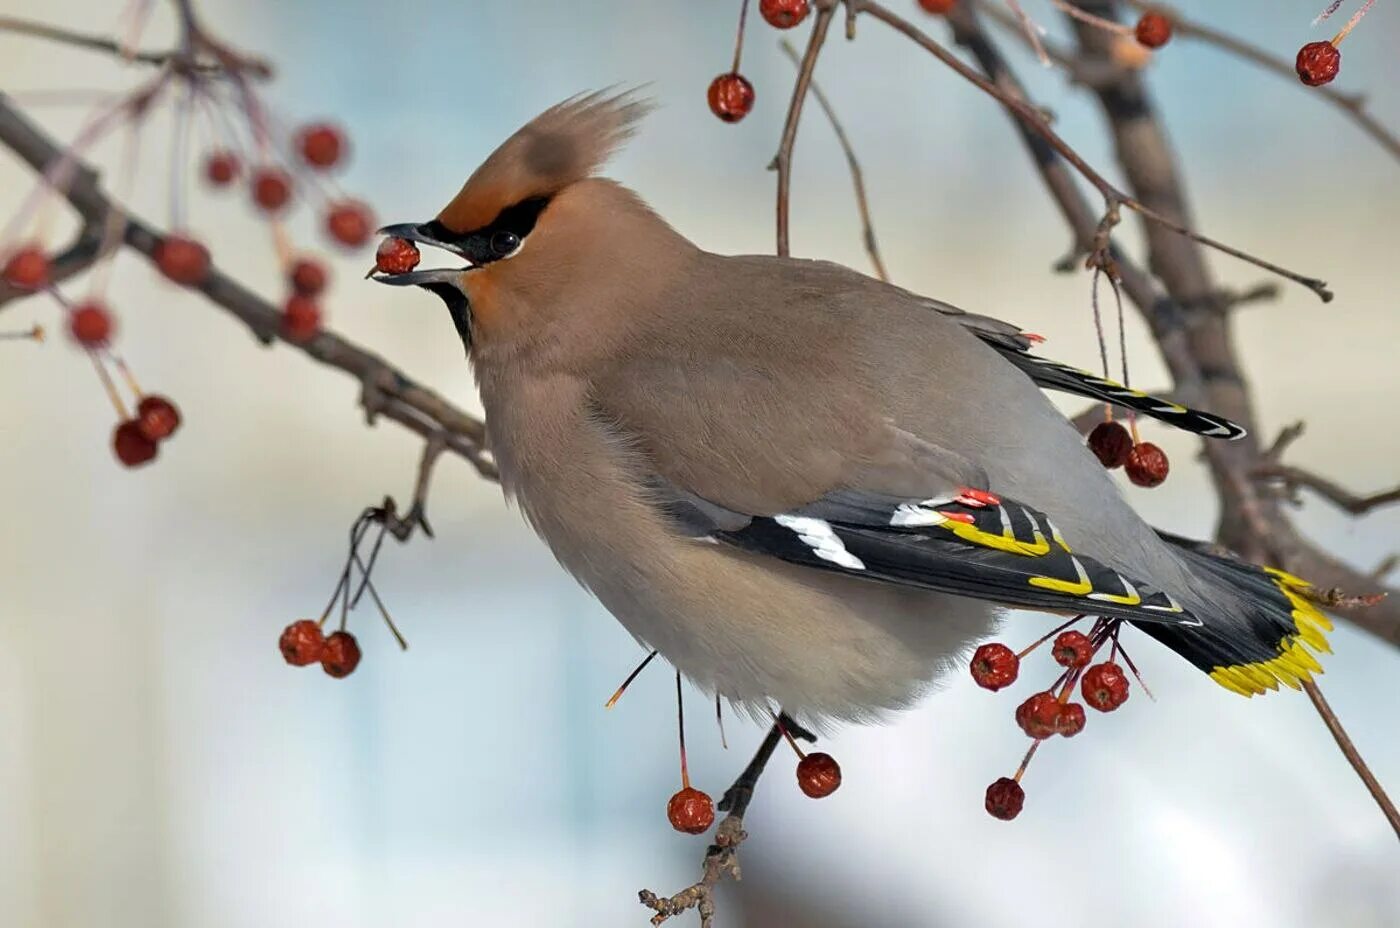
(504, 243)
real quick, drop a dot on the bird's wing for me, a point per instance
(1015, 346)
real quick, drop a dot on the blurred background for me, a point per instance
(161, 766)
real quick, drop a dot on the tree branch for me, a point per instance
(782, 162)
(1352, 755)
(1293, 478)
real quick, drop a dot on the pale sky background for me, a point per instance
(160, 766)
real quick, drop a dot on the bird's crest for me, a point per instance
(562, 145)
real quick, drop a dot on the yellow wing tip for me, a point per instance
(1294, 664)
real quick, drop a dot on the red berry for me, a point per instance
(1105, 687)
(221, 168)
(132, 448)
(27, 268)
(321, 145)
(301, 319)
(272, 188)
(308, 277)
(1147, 465)
(994, 666)
(396, 256)
(1005, 799)
(1154, 29)
(302, 643)
(1073, 649)
(784, 14)
(731, 96)
(691, 811)
(91, 325)
(350, 223)
(341, 655)
(1038, 715)
(1318, 63)
(157, 417)
(183, 260)
(818, 775)
(939, 7)
(1070, 721)
(1111, 444)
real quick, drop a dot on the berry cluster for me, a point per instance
(1102, 686)
(1145, 464)
(730, 94)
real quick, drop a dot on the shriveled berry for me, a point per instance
(938, 6)
(1154, 29)
(818, 774)
(221, 168)
(784, 14)
(272, 188)
(182, 260)
(1318, 63)
(132, 448)
(1038, 715)
(301, 319)
(27, 268)
(1073, 649)
(994, 666)
(308, 277)
(691, 811)
(321, 144)
(350, 223)
(302, 643)
(1104, 686)
(157, 417)
(731, 96)
(91, 325)
(1005, 798)
(1111, 444)
(396, 256)
(1070, 720)
(341, 655)
(1147, 465)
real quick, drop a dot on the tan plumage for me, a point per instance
(729, 451)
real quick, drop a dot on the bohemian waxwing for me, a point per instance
(806, 488)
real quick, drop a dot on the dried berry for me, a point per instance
(321, 145)
(1104, 687)
(341, 655)
(221, 168)
(350, 223)
(308, 277)
(272, 188)
(1038, 715)
(131, 447)
(1111, 444)
(1005, 799)
(938, 6)
(182, 260)
(157, 417)
(994, 666)
(731, 96)
(396, 256)
(91, 325)
(27, 268)
(1073, 649)
(691, 811)
(1147, 465)
(1070, 720)
(1154, 29)
(818, 774)
(1318, 63)
(784, 14)
(302, 643)
(301, 319)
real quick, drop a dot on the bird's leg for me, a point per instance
(722, 857)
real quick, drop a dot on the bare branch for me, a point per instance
(782, 162)
(1294, 478)
(1352, 755)
(181, 58)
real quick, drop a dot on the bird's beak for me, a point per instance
(423, 235)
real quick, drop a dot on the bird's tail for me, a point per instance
(1262, 632)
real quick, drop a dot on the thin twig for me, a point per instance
(1352, 755)
(867, 227)
(782, 162)
(1294, 478)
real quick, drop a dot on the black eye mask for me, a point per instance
(501, 239)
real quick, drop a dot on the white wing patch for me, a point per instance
(818, 535)
(915, 515)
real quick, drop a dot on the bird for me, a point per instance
(808, 489)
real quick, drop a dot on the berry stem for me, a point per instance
(109, 386)
(1026, 761)
(1351, 23)
(612, 701)
(778, 721)
(680, 728)
(33, 333)
(739, 38)
(1032, 32)
(719, 720)
(126, 374)
(1107, 25)
(1046, 637)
